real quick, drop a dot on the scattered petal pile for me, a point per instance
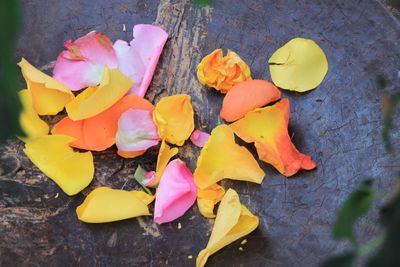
(110, 110)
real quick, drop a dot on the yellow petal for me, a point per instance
(173, 116)
(207, 198)
(300, 65)
(95, 100)
(31, 123)
(232, 223)
(108, 205)
(220, 158)
(49, 96)
(164, 155)
(70, 170)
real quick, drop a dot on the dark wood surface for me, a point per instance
(339, 125)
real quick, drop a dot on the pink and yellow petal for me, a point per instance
(108, 205)
(219, 159)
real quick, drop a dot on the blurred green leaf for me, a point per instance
(343, 260)
(354, 207)
(203, 2)
(140, 176)
(390, 103)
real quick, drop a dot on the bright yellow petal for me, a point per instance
(300, 65)
(49, 96)
(220, 158)
(95, 100)
(70, 170)
(232, 223)
(108, 205)
(173, 116)
(267, 127)
(207, 198)
(31, 123)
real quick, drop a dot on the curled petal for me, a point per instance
(32, 125)
(300, 65)
(246, 96)
(199, 138)
(150, 178)
(70, 170)
(233, 222)
(267, 127)
(173, 116)
(220, 158)
(95, 100)
(139, 59)
(49, 96)
(98, 133)
(176, 192)
(108, 205)
(82, 64)
(222, 72)
(207, 198)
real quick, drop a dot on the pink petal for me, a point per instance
(136, 131)
(150, 178)
(176, 192)
(82, 64)
(139, 60)
(199, 138)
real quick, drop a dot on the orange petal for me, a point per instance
(98, 133)
(222, 158)
(246, 96)
(130, 154)
(267, 127)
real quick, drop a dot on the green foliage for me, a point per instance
(203, 2)
(10, 105)
(390, 106)
(344, 260)
(140, 176)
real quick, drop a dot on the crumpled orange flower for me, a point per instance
(207, 198)
(98, 133)
(233, 222)
(267, 127)
(173, 116)
(49, 96)
(222, 158)
(222, 72)
(108, 205)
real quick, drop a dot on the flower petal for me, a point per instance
(267, 127)
(108, 205)
(220, 158)
(98, 133)
(70, 170)
(130, 154)
(246, 96)
(173, 116)
(300, 65)
(32, 125)
(199, 138)
(139, 60)
(207, 198)
(82, 64)
(176, 192)
(136, 131)
(49, 96)
(222, 72)
(233, 222)
(95, 100)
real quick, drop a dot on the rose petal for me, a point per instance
(136, 131)
(199, 138)
(49, 96)
(267, 127)
(98, 133)
(222, 158)
(95, 100)
(207, 198)
(173, 116)
(139, 60)
(246, 96)
(233, 222)
(70, 170)
(108, 205)
(82, 64)
(300, 65)
(32, 125)
(176, 192)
